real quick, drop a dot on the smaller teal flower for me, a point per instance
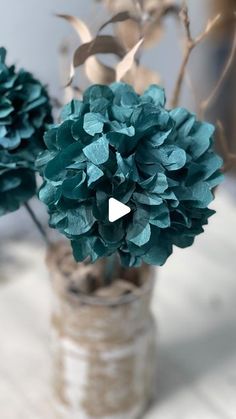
(118, 144)
(25, 112)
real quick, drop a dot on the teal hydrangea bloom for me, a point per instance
(159, 162)
(24, 114)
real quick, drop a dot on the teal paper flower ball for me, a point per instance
(24, 114)
(159, 162)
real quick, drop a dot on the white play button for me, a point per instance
(117, 210)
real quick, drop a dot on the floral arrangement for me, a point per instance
(25, 112)
(119, 139)
(116, 141)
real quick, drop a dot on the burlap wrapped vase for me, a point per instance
(103, 342)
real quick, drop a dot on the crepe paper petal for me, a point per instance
(121, 113)
(75, 107)
(64, 135)
(155, 94)
(124, 191)
(158, 254)
(93, 123)
(215, 180)
(100, 106)
(115, 143)
(100, 208)
(159, 138)
(161, 184)
(3, 54)
(139, 237)
(3, 131)
(201, 137)
(78, 132)
(199, 192)
(179, 116)
(127, 259)
(75, 187)
(5, 107)
(50, 138)
(88, 247)
(25, 113)
(187, 126)
(204, 168)
(79, 221)
(61, 160)
(147, 199)
(112, 233)
(25, 131)
(98, 151)
(171, 157)
(97, 91)
(11, 142)
(49, 194)
(121, 128)
(94, 174)
(16, 187)
(163, 220)
(128, 167)
(9, 182)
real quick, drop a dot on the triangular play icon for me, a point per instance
(117, 210)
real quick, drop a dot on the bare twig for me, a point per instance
(37, 223)
(190, 44)
(192, 89)
(222, 138)
(228, 156)
(207, 102)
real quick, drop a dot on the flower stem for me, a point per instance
(37, 223)
(110, 269)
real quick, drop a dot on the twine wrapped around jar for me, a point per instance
(103, 349)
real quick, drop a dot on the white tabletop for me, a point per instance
(195, 305)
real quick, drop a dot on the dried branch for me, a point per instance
(222, 139)
(228, 156)
(190, 44)
(207, 102)
(192, 89)
(37, 223)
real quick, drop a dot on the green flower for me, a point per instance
(24, 114)
(118, 144)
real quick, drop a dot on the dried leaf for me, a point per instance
(126, 63)
(152, 11)
(80, 27)
(141, 78)
(144, 77)
(128, 32)
(103, 44)
(119, 5)
(96, 71)
(118, 17)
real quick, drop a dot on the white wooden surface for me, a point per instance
(195, 303)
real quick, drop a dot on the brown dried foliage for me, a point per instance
(139, 24)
